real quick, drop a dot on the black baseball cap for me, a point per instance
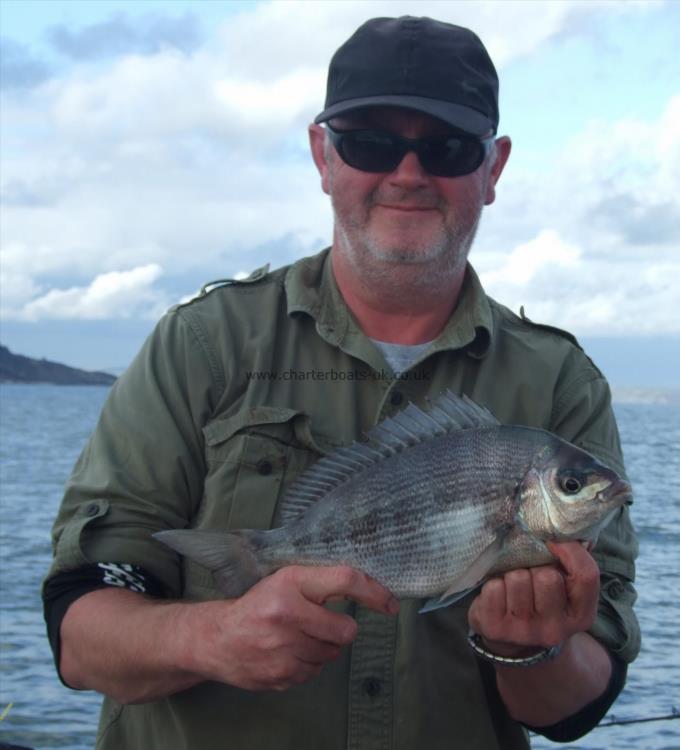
(417, 63)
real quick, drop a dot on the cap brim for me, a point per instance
(457, 115)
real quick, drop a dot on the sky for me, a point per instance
(150, 146)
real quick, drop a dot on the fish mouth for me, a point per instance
(619, 493)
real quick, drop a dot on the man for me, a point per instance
(237, 392)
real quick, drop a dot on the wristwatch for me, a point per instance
(545, 654)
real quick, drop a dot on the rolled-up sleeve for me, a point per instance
(143, 468)
(583, 414)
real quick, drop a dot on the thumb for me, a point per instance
(581, 577)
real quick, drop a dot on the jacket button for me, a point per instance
(396, 398)
(615, 589)
(92, 509)
(264, 467)
(372, 686)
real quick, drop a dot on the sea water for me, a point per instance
(42, 430)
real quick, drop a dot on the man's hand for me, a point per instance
(137, 649)
(538, 607)
(278, 634)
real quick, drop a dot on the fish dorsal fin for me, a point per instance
(393, 435)
(461, 413)
(327, 473)
(448, 413)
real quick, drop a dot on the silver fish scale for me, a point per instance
(417, 520)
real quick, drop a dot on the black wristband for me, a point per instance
(60, 591)
(589, 716)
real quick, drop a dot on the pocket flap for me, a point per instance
(222, 429)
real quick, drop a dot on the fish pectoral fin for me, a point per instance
(439, 602)
(472, 578)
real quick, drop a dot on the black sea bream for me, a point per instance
(430, 506)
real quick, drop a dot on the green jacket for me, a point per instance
(232, 396)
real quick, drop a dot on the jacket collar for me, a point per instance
(311, 288)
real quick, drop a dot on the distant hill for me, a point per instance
(15, 368)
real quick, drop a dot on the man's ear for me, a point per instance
(503, 147)
(317, 143)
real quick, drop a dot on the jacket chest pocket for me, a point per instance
(251, 458)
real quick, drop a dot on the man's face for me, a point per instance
(407, 216)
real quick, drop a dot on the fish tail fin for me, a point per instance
(232, 558)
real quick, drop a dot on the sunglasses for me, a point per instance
(452, 155)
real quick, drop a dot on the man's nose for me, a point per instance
(409, 172)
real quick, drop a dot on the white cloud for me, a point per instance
(197, 163)
(263, 103)
(631, 155)
(264, 67)
(117, 294)
(522, 265)
(16, 286)
(557, 283)
(603, 229)
(301, 33)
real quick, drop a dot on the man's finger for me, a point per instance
(572, 555)
(519, 595)
(333, 628)
(322, 584)
(550, 596)
(312, 651)
(488, 608)
(581, 578)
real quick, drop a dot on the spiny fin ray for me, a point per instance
(393, 435)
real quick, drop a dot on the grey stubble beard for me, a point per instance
(404, 269)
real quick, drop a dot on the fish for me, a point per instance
(431, 505)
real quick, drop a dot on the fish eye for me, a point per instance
(570, 484)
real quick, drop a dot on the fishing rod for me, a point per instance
(613, 722)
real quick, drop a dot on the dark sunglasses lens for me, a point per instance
(380, 151)
(371, 151)
(451, 157)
